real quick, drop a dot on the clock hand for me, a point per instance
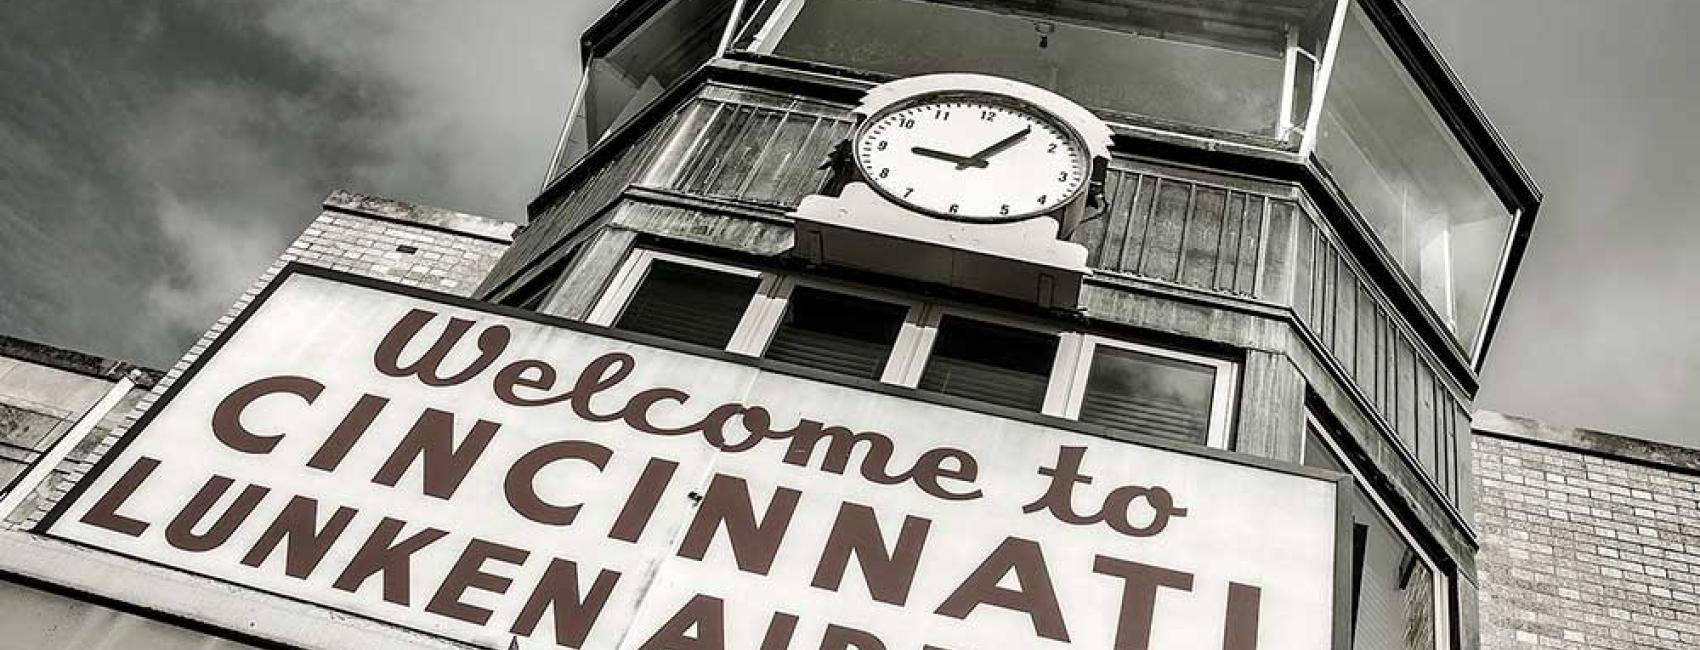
(979, 159)
(962, 162)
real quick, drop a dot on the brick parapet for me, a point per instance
(1590, 540)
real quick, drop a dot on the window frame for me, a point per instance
(1442, 588)
(777, 301)
(765, 39)
(624, 285)
(927, 333)
(1223, 388)
(1065, 384)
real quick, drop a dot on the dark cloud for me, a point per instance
(155, 156)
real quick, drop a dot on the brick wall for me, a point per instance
(401, 242)
(44, 391)
(1589, 540)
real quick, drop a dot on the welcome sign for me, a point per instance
(417, 460)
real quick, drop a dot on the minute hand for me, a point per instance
(979, 159)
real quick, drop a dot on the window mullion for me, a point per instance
(761, 318)
(1062, 397)
(620, 289)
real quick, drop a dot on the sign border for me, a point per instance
(1343, 482)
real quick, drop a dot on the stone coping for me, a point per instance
(424, 216)
(1588, 441)
(73, 361)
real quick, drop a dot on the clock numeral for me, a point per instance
(953, 208)
(905, 123)
(885, 172)
(1052, 148)
(1062, 177)
(1043, 198)
(882, 145)
(1004, 210)
(989, 116)
(908, 191)
(941, 115)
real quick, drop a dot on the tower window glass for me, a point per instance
(1405, 172)
(1241, 66)
(621, 80)
(1146, 393)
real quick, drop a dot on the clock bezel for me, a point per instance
(1075, 140)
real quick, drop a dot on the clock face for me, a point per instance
(972, 159)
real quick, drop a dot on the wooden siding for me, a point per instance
(751, 147)
(1181, 231)
(1185, 229)
(1355, 327)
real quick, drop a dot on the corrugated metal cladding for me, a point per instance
(1245, 239)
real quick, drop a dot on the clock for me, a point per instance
(977, 157)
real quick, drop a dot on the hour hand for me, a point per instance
(962, 162)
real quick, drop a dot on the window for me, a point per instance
(1405, 172)
(999, 364)
(837, 332)
(1153, 391)
(680, 299)
(1397, 594)
(621, 80)
(1243, 66)
(870, 334)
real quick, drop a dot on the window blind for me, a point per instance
(689, 304)
(992, 363)
(837, 333)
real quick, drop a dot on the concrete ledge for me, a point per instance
(76, 362)
(193, 601)
(1588, 441)
(423, 216)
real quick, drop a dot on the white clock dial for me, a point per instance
(972, 159)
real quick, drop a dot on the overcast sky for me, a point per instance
(156, 155)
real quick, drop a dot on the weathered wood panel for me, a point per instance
(753, 147)
(1351, 320)
(1183, 231)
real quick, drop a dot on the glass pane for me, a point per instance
(993, 363)
(690, 304)
(1407, 175)
(1149, 394)
(1392, 587)
(1219, 64)
(671, 44)
(838, 333)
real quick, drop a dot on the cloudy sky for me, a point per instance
(155, 155)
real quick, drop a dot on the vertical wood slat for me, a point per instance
(1181, 231)
(1338, 306)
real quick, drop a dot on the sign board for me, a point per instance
(419, 460)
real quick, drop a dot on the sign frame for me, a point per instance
(1341, 579)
